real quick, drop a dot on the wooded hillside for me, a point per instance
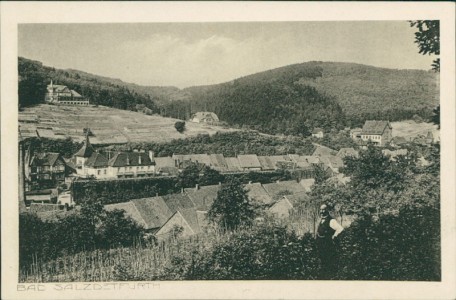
(288, 100)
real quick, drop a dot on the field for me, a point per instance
(109, 125)
(410, 129)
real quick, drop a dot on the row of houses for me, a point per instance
(160, 215)
(87, 162)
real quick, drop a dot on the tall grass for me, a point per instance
(140, 262)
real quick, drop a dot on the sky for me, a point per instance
(189, 54)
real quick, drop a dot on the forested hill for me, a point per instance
(290, 100)
(362, 92)
(34, 77)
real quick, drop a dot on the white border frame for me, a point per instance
(13, 13)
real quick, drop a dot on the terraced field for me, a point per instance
(109, 125)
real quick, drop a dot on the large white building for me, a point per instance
(377, 132)
(90, 163)
(61, 94)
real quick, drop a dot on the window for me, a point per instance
(99, 172)
(105, 171)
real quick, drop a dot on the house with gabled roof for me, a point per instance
(151, 213)
(283, 207)
(203, 196)
(205, 117)
(318, 133)
(218, 162)
(47, 168)
(61, 94)
(89, 162)
(377, 132)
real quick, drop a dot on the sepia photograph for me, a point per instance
(241, 151)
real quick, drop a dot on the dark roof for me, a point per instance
(203, 197)
(86, 149)
(130, 211)
(177, 202)
(45, 159)
(75, 94)
(191, 216)
(97, 160)
(153, 211)
(249, 161)
(122, 159)
(375, 127)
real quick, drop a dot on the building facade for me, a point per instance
(61, 94)
(377, 132)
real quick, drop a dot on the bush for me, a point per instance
(393, 247)
(180, 126)
(264, 252)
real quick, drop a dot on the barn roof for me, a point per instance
(375, 127)
(297, 198)
(191, 216)
(307, 183)
(38, 207)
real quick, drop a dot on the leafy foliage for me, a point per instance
(180, 126)
(231, 209)
(428, 39)
(91, 228)
(265, 252)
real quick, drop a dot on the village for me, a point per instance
(47, 178)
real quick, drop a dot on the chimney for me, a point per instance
(196, 187)
(182, 190)
(250, 182)
(220, 183)
(128, 160)
(156, 194)
(277, 181)
(139, 159)
(151, 155)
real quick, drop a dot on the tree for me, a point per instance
(180, 126)
(189, 176)
(428, 39)
(210, 176)
(231, 209)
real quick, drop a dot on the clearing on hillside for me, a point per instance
(108, 125)
(409, 129)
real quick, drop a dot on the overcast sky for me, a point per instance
(187, 54)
